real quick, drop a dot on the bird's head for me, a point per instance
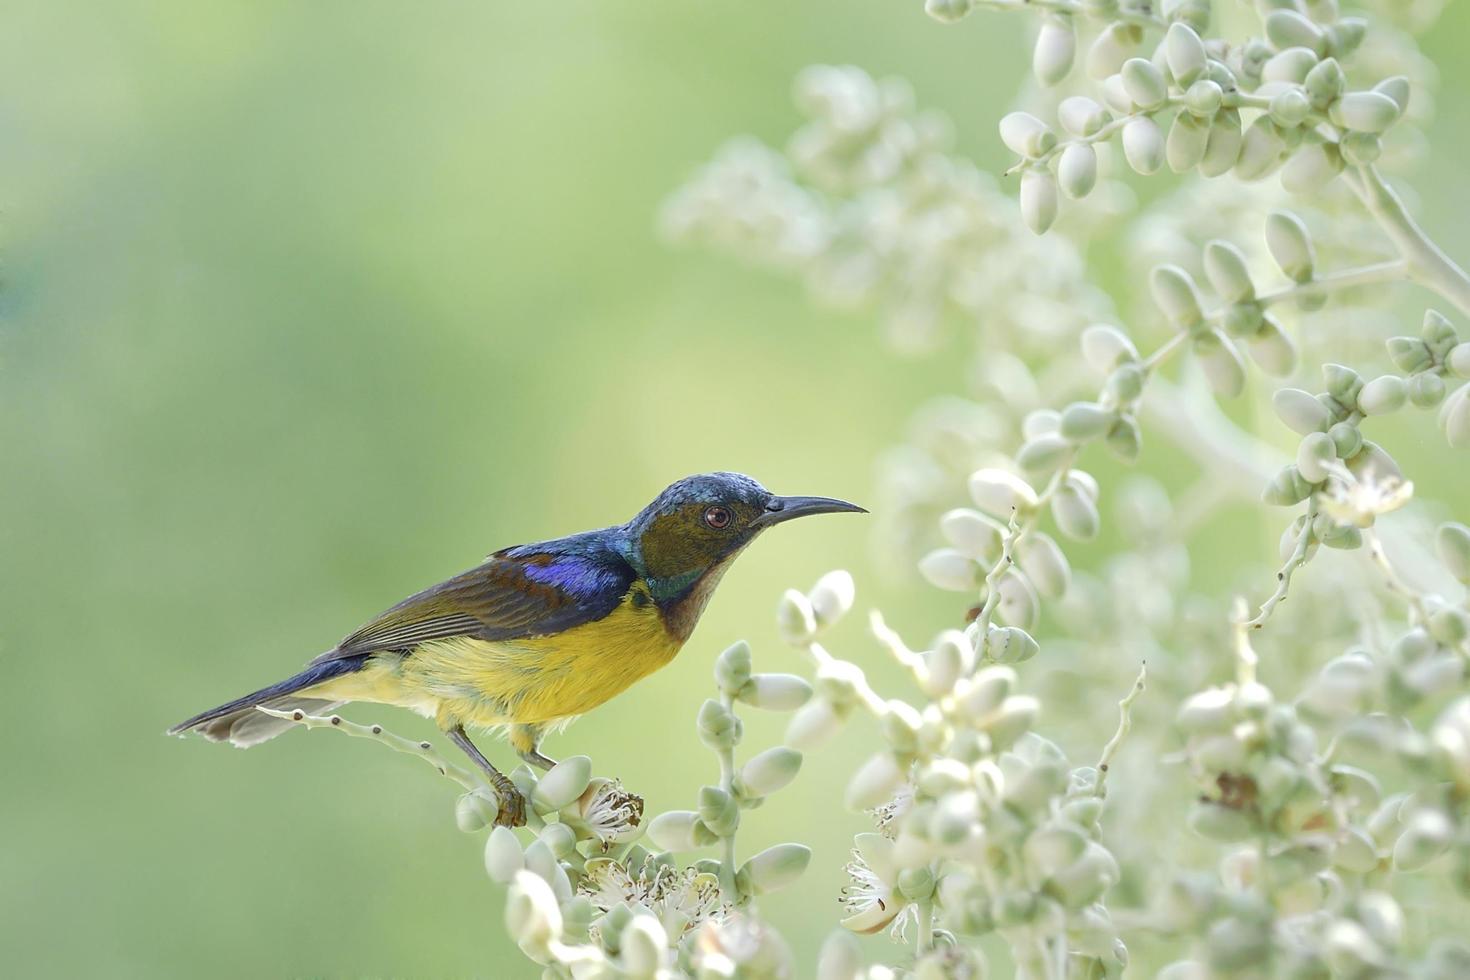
(701, 522)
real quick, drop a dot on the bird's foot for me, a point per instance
(512, 811)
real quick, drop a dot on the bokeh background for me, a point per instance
(307, 306)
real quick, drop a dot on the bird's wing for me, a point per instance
(515, 593)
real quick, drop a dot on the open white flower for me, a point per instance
(1359, 501)
(681, 899)
(871, 899)
(611, 814)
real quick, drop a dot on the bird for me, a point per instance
(537, 634)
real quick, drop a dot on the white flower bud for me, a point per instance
(769, 771)
(1174, 292)
(998, 492)
(532, 915)
(1454, 417)
(1396, 88)
(1015, 717)
(1104, 347)
(1044, 564)
(1026, 135)
(1301, 411)
(1272, 349)
(1312, 167)
(1452, 543)
(1348, 950)
(732, 667)
(875, 782)
(971, 533)
(795, 619)
(1290, 245)
(774, 868)
(1038, 200)
(1290, 65)
(840, 958)
(1426, 390)
(775, 692)
(717, 725)
(1224, 145)
(1082, 116)
(813, 724)
(1184, 52)
(566, 781)
(1458, 359)
(1356, 852)
(1383, 395)
(1043, 454)
(832, 597)
(1084, 882)
(503, 855)
(1366, 112)
(1221, 823)
(643, 946)
(1261, 150)
(675, 830)
(1144, 83)
(1056, 47)
(1222, 363)
(1289, 29)
(475, 810)
(948, 569)
(1204, 98)
(1227, 271)
(1290, 107)
(1111, 48)
(1010, 645)
(1077, 170)
(1075, 513)
(1143, 144)
(1185, 147)
(1115, 95)
(948, 11)
(1325, 83)
(1313, 455)
(1426, 836)
(1018, 604)
(952, 658)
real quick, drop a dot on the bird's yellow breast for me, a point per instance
(532, 681)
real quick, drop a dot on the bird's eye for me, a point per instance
(717, 518)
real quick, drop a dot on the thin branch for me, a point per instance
(1125, 724)
(419, 750)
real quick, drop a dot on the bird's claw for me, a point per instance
(512, 811)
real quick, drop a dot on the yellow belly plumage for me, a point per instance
(536, 681)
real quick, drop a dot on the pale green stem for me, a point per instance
(1125, 724)
(727, 842)
(925, 939)
(1295, 560)
(419, 750)
(1427, 264)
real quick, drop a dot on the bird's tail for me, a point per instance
(237, 721)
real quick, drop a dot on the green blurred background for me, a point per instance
(310, 305)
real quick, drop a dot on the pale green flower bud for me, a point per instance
(1410, 354)
(1347, 438)
(541, 862)
(1382, 395)
(1291, 65)
(832, 597)
(718, 811)
(775, 692)
(1111, 48)
(1184, 52)
(1125, 384)
(1225, 267)
(900, 725)
(679, 830)
(795, 619)
(475, 811)
(566, 781)
(1224, 369)
(1344, 36)
(1124, 439)
(1143, 143)
(1427, 834)
(1458, 360)
(1313, 456)
(1221, 823)
(769, 771)
(875, 782)
(1311, 168)
(813, 724)
(951, 658)
(1077, 170)
(1105, 347)
(1044, 564)
(1381, 916)
(773, 869)
(1261, 151)
(1038, 200)
(916, 884)
(732, 667)
(1223, 147)
(948, 569)
(1290, 108)
(1082, 116)
(1204, 99)
(1290, 245)
(1075, 513)
(972, 534)
(1452, 542)
(1026, 135)
(1115, 95)
(1289, 29)
(1438, 333)
(1053, 847)
(718, 727)
(1043, 455)
(1454, 417)
(1041, 422)
(1350, 952)
(1084, 882)
(644, 947)
(1366, 112)
(1174, 292)
(1396, 88)
(1272, 349)
(1010, 645)
(1356, 852)
(999, 492)
(503, 855)
(532, 915)
(1015, 717)
(840, 958)
(1188, 138)
(1343, 383)
(1056, 47)
(948, 11)
(1218, 753)
(984, 692)
(1325, 83)
(1144, 83)
(1360, 149)
(1238, 945)
(1426, 390)
(1208, 711)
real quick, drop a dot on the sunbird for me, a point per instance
(536, 634)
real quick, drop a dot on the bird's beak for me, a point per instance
(780, 509)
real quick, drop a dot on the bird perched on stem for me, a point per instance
(536, 634)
